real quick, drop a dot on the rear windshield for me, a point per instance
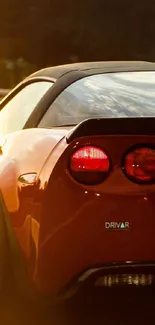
(125, 94)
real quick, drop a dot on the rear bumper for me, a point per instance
(73, 217)
(86, 286)
(83, 285)
(73, 235)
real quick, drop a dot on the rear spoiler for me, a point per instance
(112, 126)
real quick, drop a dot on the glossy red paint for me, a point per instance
(72, 216)
(60, 223)
(18, 159)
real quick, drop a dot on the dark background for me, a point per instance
(35, 34)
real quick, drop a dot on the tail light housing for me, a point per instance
(139, 165)
(89, 165)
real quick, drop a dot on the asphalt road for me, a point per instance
(16, 311)
(117, 308)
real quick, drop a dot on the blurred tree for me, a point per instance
(13, 71)
(55, 31)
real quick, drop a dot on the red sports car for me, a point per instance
(77, 177)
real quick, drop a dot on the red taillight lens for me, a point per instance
(89, 165)
(139, 165)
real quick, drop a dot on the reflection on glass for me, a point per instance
(125, 94)
(16, 112)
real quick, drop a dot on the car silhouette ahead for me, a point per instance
(77, 178)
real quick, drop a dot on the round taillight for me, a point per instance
(89, 165)
(139, 165)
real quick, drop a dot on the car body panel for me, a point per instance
(72, 234)
(60, 224)
(24, 152)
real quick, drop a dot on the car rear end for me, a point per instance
(97, 225)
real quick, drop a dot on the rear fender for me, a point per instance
(8, 184)
(25, 152)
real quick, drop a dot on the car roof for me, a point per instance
(110, 66)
